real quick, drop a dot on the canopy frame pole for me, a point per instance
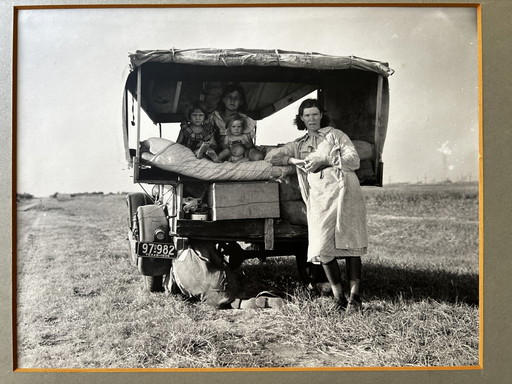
(139, 107)
(177, 95)
(378, 122)
(125, 128)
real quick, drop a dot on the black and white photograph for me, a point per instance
(259, 187)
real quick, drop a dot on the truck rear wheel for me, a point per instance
(153, 283)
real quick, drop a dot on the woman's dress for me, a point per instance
(334, 200)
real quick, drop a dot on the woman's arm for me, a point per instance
(286, 156)
(343, 154)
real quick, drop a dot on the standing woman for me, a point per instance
(326, 160)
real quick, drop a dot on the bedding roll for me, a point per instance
(174, 157)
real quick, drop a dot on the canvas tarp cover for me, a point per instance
(258, 57)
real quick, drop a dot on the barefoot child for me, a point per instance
(235, 127)
(198, 135)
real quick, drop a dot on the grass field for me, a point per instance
(80, 302)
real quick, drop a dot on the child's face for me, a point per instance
(237, 150)
(232, 101)
(197, 117)
(236, 127)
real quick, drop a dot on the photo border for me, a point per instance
(492, 17)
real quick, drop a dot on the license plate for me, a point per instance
(160, 250)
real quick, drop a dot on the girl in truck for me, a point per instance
(197, 134)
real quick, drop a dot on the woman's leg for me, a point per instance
(333, 273)
(354, 268)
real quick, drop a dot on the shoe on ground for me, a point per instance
(244, 304)
(341, 304)
(267, 299)
(269, 302)
(354, 303)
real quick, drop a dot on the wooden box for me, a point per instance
(243, 200)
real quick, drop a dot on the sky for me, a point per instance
(72, 63)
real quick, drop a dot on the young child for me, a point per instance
(235, 126)
(198, 135)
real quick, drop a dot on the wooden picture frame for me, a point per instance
(494, 38)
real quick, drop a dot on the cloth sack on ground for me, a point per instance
(199, 272)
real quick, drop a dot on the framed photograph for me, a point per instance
(109, 197)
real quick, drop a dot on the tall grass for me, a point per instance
(81, 303)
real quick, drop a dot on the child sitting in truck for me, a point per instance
(197, 134)
(235, 127)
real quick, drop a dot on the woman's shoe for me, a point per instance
(341, 304)
(354, 303)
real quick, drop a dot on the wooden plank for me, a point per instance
(269, 234)
(240, 230)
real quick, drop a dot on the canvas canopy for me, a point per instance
(258, 57)
(272, 79)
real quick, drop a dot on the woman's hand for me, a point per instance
(314, 163)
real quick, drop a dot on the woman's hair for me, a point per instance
(310, 103)
(232, 87)
(197, 105)
(236, 117)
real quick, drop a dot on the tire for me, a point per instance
(153, 283)
(135, 200)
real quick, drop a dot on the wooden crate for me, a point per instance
(243, 200)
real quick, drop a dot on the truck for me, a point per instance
(259, 215)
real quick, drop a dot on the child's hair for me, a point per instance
(197, 105)
(236, 117)
(232, 87)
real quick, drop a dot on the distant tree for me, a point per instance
(23, 196)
